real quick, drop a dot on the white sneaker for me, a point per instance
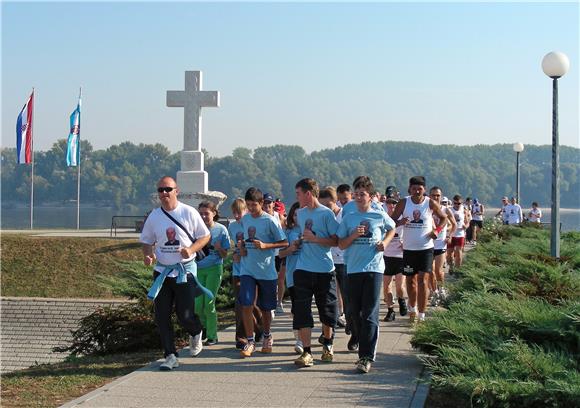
(299, 347)
(170, 363)
(195, 345)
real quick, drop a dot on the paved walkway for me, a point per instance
(218, 377)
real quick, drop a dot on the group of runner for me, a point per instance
(336, 246)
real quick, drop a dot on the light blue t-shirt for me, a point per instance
(316, 257)
(292, 234)
(362, 255)
(219, 233)
(352, 207)
(259, 263)
(236, 233)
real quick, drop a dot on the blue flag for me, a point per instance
(73, 149)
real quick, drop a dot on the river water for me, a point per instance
(98, 217)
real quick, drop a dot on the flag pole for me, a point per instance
(79, 169)
(32, 167)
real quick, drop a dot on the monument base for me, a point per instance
(194, 199)
(192, 181)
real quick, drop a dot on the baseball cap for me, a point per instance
(268, 197)
(444, 200)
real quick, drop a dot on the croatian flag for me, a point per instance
(73, 149)
(24, 132)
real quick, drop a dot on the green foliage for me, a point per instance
(126, 173)
(511, 334)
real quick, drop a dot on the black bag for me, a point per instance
(203, 252)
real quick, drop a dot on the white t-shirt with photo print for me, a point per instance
(169, 238)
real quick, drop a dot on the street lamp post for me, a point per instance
(555, 65)
(518, 148)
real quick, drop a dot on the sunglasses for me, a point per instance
(457, 202)
(165, 189)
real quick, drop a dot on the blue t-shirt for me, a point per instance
(293, 235)
(259, 263)
(236, 234)
(352, 207)
(362, 254)
(219, 233)
(316, 257)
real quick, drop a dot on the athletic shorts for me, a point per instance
(417, 261)
(437, 252)
(323, 287)
(476, 222)
(393, 266)
(267, 290)
(456, 242)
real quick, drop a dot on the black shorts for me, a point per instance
(437, 252)
(393, 266)
(417, 261)
(476, 222)
(323, 287)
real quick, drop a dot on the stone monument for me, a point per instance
(193, 179)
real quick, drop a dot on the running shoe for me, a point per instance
(305, 360)
(267, 344)
(390, 315)
(279, 309)
(195, 345)
(327, 353)
(402, 307)
(248, 350)
(170, 363)
(341, 321)
(210, 342)
(363, 365)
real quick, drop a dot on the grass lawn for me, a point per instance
(62, 267)
(51, 385)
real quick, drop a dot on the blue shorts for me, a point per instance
(267, 292)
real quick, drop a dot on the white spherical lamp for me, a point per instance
(555, 64)
(518, 147)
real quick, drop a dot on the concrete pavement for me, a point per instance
(218, 377)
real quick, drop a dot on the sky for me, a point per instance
(318, 75)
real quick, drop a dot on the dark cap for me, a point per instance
(268, 197)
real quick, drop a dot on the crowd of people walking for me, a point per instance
(339, 246)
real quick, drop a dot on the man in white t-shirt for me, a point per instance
(171, 250)
(535, 214)
(514, 212)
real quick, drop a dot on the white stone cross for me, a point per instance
(192, 99)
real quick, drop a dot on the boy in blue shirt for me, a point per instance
(314, 274)
(262, 235)
(364, 234)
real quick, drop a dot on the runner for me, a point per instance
(393, 257)
(262, 236)
(172, 234)
(535, 214)
(291, 254)
(269, 206)
(210, 269)
(514, 212)
(314, 274)
(455, 246)
(343, 194)
(418, 243)
(477, 212)
(502, 211)
(437, 278)
(236, 232)
(365, 267)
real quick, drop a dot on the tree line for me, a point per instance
(124, 175)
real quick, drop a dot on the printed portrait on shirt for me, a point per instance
(251, 234)
(367, 229)
(416, 217)
(308, 225)
(171, 237)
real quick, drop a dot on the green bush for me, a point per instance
(511, 334)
